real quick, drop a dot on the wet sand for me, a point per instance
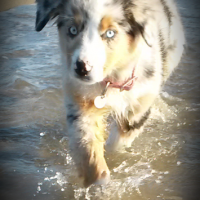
(8, 4)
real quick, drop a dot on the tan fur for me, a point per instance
(93, 160)
(119, 50)
(105, 24)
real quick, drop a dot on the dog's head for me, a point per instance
(97, 37)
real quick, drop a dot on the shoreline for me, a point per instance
(6, 5)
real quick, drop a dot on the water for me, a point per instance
(163, 163)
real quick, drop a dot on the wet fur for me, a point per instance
(148, 37)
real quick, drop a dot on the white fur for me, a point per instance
(157, 51)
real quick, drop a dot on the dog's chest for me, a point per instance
(120, 102)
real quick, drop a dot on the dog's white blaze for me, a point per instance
(92, 50)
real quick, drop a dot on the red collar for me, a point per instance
(126, 85)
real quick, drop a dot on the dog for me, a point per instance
(116, 56)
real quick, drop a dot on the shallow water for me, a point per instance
(163, 162)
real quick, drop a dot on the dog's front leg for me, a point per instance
(125, 131)
(86, 130)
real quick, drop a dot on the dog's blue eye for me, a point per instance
(110, 34)
(73, 30)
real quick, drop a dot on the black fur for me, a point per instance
(126, 126)
(71, 118)
(167, 11)
(148, 73)
(46, 10)
(138, 125)
(39, 25)
(60, 24)
(162, 50)
(46, 4)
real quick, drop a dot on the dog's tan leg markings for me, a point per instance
(87, 137)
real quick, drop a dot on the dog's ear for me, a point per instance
(138, 26)
(46, 9)
(146, 34)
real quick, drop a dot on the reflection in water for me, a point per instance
(163, 162)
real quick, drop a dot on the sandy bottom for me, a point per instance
(6, 5)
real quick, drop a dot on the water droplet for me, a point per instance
(178, 163)
(42, 134)
(38, 188)
(158, 181)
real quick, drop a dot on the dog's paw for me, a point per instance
(96, 173)
(103, 179)
(94, 170)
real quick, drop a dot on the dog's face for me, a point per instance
(96, 37)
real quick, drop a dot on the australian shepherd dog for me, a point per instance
(116, 56)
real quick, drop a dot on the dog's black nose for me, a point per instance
(81, 68)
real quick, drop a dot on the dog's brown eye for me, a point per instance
(73, 30)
